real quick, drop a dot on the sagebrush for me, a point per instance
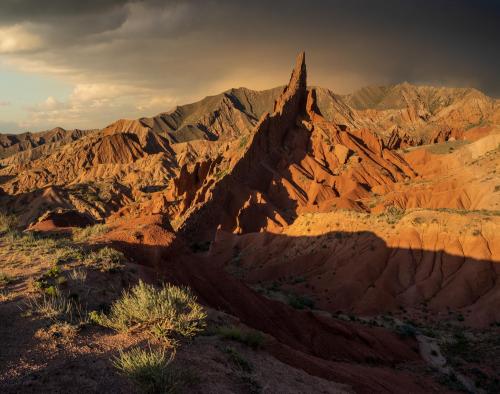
(166, 313)
(152, 370)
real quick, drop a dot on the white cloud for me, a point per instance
(51, 104)
(157, 104)
(18, 38)
(84, 93)
(97, 104)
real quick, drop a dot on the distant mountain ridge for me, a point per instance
(11, 144)
(232, 113)
(223, 116)
(413, 112)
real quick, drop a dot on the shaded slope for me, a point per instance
(224, 116)
(335, 350)
(359, 264)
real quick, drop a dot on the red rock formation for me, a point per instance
(399, 139)
(446, 134)
(295, 160)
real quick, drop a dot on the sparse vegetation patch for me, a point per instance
(253, 339)
(238, 360)
(300, 302)
(58, 308)
(7, 222)
(152, 370)
(4, 279)
(392, 214)
(86, 233)
(166, 313)
(105, 259)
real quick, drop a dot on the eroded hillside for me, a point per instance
(359, 234)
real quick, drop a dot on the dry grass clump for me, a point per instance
(67, 254)
(89, 232)
(58, 308)
(4, 279)
(105, 259)
(253, 339)
(238, 360)
(7, 222)
(78, 275)
(152, 370)
(39, 243)
(165, 313)
(392, 214)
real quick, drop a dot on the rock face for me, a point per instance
(298, 163)
(295, 161)
(398, 139)
(223, 117)
(446, 134)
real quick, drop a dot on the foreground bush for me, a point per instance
(151, 370)
(166, 313)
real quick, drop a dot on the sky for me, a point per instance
(84, 64)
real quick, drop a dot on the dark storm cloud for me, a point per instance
(191, 48)
(22, 10)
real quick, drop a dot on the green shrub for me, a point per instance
(86, 233)
(393, 214)
(238, 360)
(105, 259)
(243, 142)
(418, 220)
(51, 291)
(4, 279)
(300, 302)
(53, 272)
(165, 312)
(68, 254)
(406, 331)
(253, 339)
(152, 370)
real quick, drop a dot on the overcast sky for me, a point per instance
(83, 64)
